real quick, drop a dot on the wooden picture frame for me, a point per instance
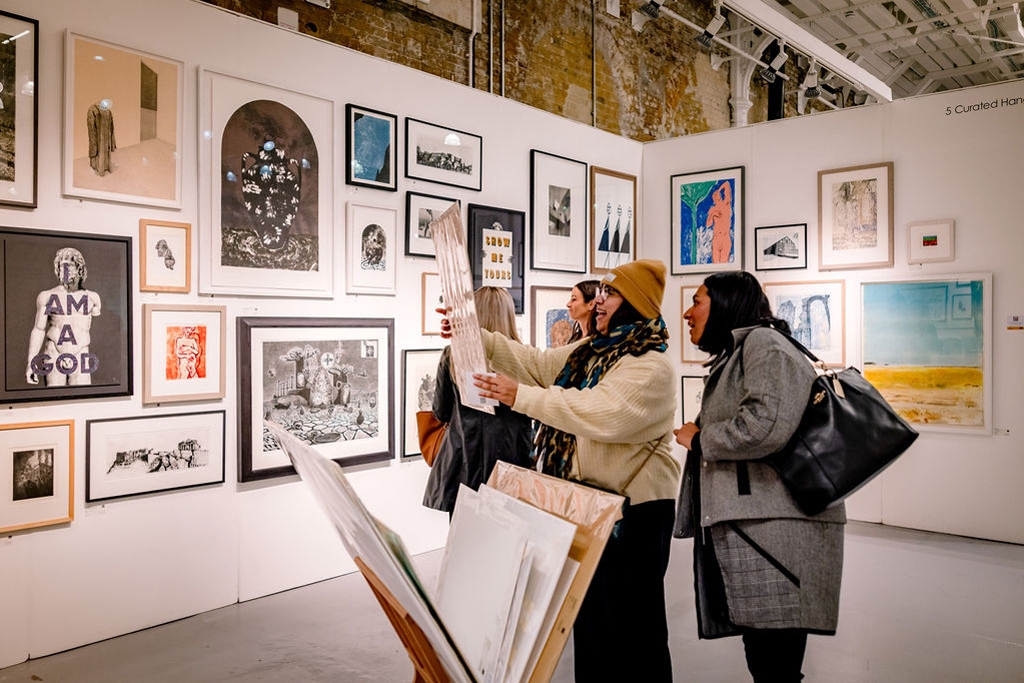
(371, 145)
(707, 209)
(855, 217)
(558, 213)
(37, 474)
(443, 155)
(431, 298)
(420, 211)
(552, 327)
(780, 247)
(613, 219)
(494, 240)
(372, 249)
(123, 120)
(931, 241)
(133, 456)
(419, 374)
(19, 115)
(816, 313)
(184, 351)
(689, 352)
(326, 380)
(165, 256)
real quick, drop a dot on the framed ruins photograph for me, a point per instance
(443, 155)
(552, 326)
(419, 377)
(780, 247)
(613, 221)
(558, 213)
(371, 143)
(855, 217)
(494, 238)
(372, 249)
(19, 110)
(165, 256)
(707, 209)
(420, 212)
(816, 313)
(183, 352)
(37, 474)
(131, 456)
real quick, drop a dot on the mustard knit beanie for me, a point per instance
(641, 283)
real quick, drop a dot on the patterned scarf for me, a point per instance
(583, 369)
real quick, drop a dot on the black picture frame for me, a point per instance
(780, 247)
(488, 261)
(443, 155)
(363, 139)
(28, 270)
(419, 208)
(19, 117)
(558, 213)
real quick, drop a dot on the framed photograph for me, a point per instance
(613, 222)
(37, 475)
(494, 238)
(67, 315)
(372, 249)
(432, 299)
(780, 247)
(443, 155)
(707, 221)
(420, 211)
(130, 456)
(690, 352)
(929, 241)
(692, 392)
(265, 233)
(165, 256)
(371, 143)
(326, 380)
(927, 348)
(816, 313)
(122, 123)
(19, 113)
(855, 217)
(419, 377)
(558, 213)
(552, 326)
(183, 351)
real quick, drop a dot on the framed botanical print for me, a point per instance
(37, 474)
(122, 123)
(371, 142)
(690, 352)
(419, 377)
(431, 298)
(780, 247)
(67, 315)
(552, 326)
(930, 241)
(558, 213)
(326, 380)
(184, 350)
(613, 223)
(372, 249)
(443, 155)
(707, 221)
(165, 256)
(131, 456)
(420, 211)
(855, 217)
(816, 313)
(19, 110)
(495, 244)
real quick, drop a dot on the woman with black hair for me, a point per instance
(764, 570)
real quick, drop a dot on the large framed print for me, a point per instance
(443, 155)
(930, 241)
(927, 348)
(495, 243)
(326, 380)
(707, 221)
(558, 213)
(19, 113)
(552, 326)
(690, 352)
(165, 256)
(67, 315)
(371, 143)
(780, 247)
(122, 123)
(266, 198)
(419, 378)
(131, 456)
(855, 214)
(816, 313)
(420, 211)
(37, 474)
(372, 249)
(431, 299)
(613, 223)
(183, 352)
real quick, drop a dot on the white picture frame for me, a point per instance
(931, 241)
(855, 217)
(419, 366)
(689, 353)
(372, 249)
(816, 313)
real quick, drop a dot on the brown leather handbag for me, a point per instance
(431, 433)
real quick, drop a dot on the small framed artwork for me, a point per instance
(855, 217)
(692, 391)
(37, 475)
(929, 241)
(707, 221)
(132, 456)
(613, 223)
(780, 247)
(432, 299)
(816, 313)
(326, 380)
(372, 249)
(443, 155)
(67, 315)
(19, 113)
(371, 142)
(552, 326)
(184, 349)
(690, 352)
(558, 213)
(165, 256)
(495, 244)
(110, 88)
(419, 377)
(420, 211)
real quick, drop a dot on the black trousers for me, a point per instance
(775, 655)
(621, 631)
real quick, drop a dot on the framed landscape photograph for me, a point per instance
(371, 143)
(420, 211)
(431, 299)
(855, 217)
(372, 249)
(613, 222)
(494, 238)
(690, 352)
(165, 256)
(816, 313)
(780, 247)
(419, 375)
(552, 326)
(931, 241)
(443, 155)
(326, 380)
(707, 221)
(66, 331)
(183, 352)
(19, 110)
(139, 95)
(131, 456)
(37, 474)
(558, 213)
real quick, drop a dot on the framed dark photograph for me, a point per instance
(420, 211)
(419, 377)
(612, 219)
(67, 315)
(130, 456)
(494, 238)
(326, 380)
(37, 484)
(443, 155)
(558, 213)
(707, 209)
(371, 143)
(780, 247)
(19, 113)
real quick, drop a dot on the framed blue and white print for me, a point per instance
(371, 148)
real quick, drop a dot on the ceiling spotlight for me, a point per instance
(769, 73)
(704, 39)
(810, 84)
(652, 8)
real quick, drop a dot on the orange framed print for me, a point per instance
(165, 256)
(37, 476)
(183, 353)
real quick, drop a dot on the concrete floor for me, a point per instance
(916, 607)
